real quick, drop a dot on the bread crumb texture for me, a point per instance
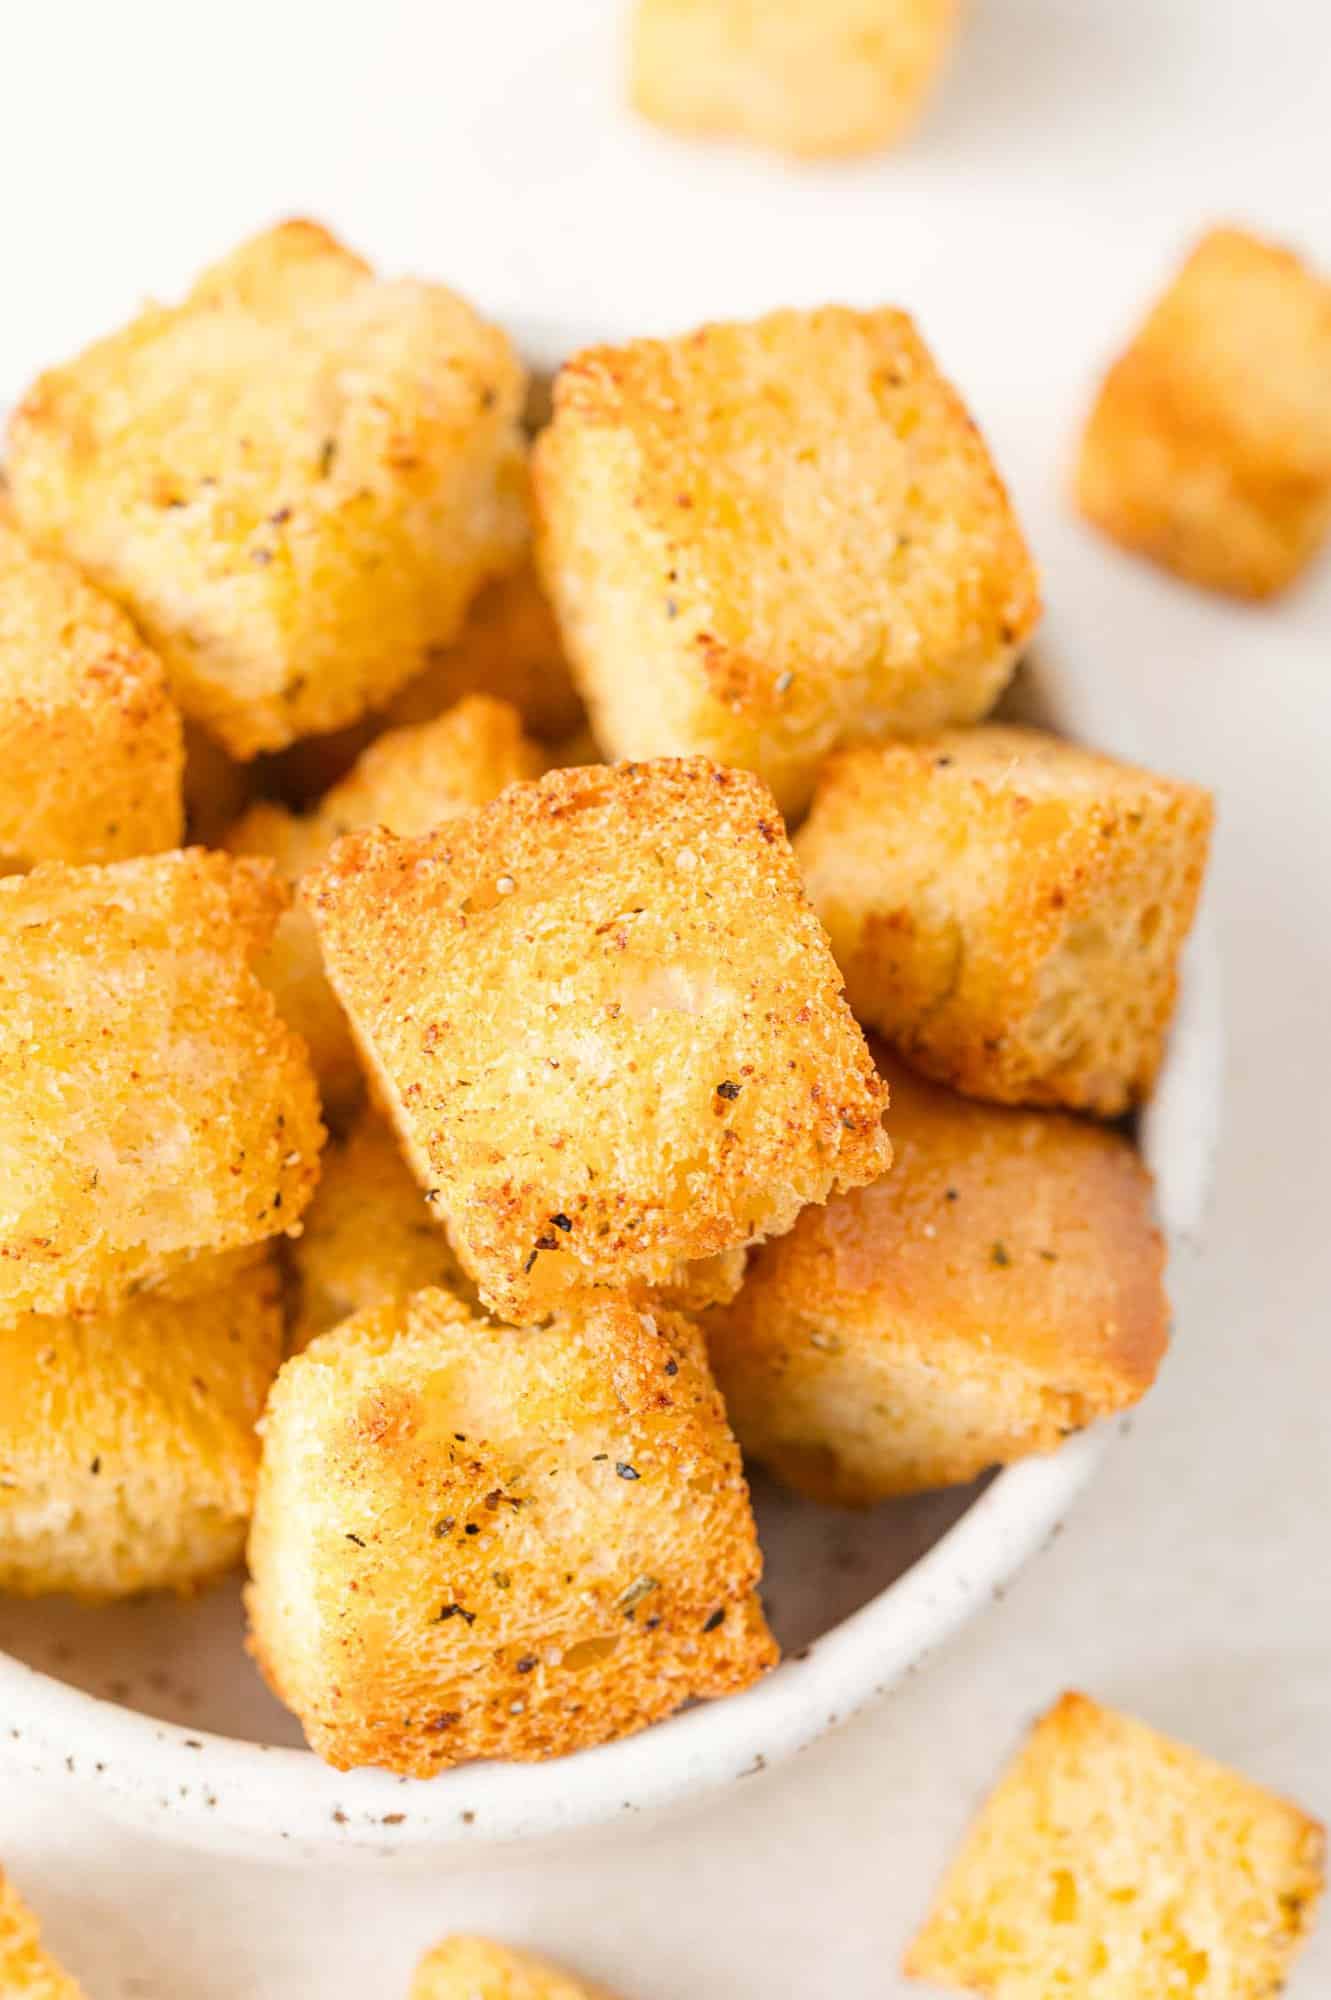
(1114, 1864)
(998, 1288)
(296, 481)
(1209, 445)
(606, 1023)
(1008, 910)
(473, 1541)
(128, 1453)
(766, 539)
(471, 1968)
(152, 1102)
(814, 78)
(91, 753)
(26, 1971)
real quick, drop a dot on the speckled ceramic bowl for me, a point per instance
(153, 1711)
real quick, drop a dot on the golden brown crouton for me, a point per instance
(764, 540)
(408, 780)
(370, 1235)
(26, 1971)
(90, 743)
(1114, 1864)
(606, 1023)
(1009, 910)
(152, 1102)
(808, 77)
(1209, 447)
(217, 787)
(128, 1454)
(471, 1541)
(472, 1968)
(296, 481)
(998, 1288)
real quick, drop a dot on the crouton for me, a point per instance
(1114, 1863)
(90, 742)
(475, 1542)
(26, 1971)
(1009, 910)
(1000, 1287)
(764, 540)
(472, 1968)
(408, 780)
(369, 1235)
(606, 1024)
(152, 1102)
(1208, 449)
(295, 481)
(128, 1454)
(813, 78)
(217, 788)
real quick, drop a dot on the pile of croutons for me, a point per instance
(488, 752)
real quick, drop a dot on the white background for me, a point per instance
(1075, 147)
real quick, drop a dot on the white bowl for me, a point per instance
(153, 1712)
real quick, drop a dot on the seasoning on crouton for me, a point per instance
(606, 1023)
(152, 1102)
(408, 780)
(90, 742)
(370, 1235)
(296, 481)
(814, 78)
(26, 1971)
(472, 1968)
(128, 1453)
(764, 540)
(1209, 446)
(1009, 910)
(1112, 1861)
(1000, 1287)
(471, 1541)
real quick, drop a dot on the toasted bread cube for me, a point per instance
(1209, 446)
(128, 1451)
(606, 1024)
(217, 788)
(1009, 910)
(998, 1288)
(1114, 1863)
(814, 78)
(473, 1968)
(764, 540)
(370, 1235)
(26, 1971)
(152, 1102)
(471, 1541)
(90, 741)
(296, 481)
(409, 780)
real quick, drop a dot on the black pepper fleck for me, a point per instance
(729, 1090)
(626, 1471)
(561, 1221)
(717, 1618)
(999, 1255)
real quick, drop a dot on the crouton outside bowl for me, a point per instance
(153, 1711)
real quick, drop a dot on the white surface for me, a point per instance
(1074, 148)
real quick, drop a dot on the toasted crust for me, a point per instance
(764, 540)
(369, 1236)
(472, 1968)
(1009, 910)
(296, 481)
(1001, 1286)
(1209, 445)
(128, 1454)
(662, 1066)
(90, 741)
(473, 1542)
(816, 78)
(26, 1971)
(152, 1102)
(1115, 1864)
(408, 780)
